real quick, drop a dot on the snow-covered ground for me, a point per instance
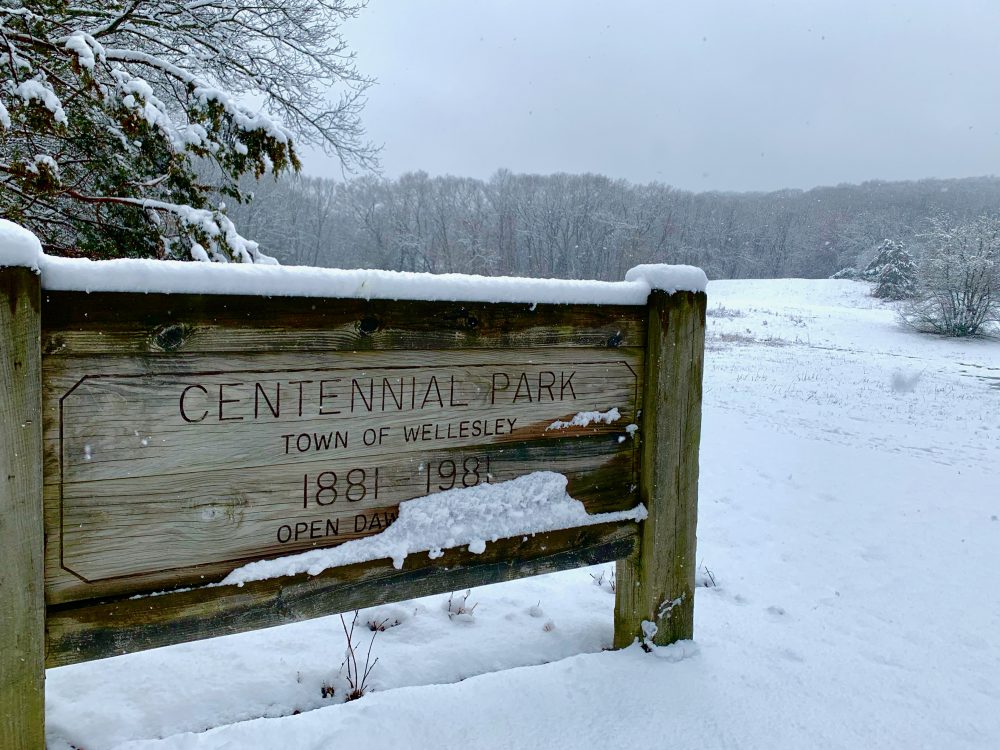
(850, 497)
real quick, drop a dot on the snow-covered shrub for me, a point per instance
(721, 311)
(385, 617)
(704, 577)
(458, 607)
(959, 278)
(606, 580)
(850, 273)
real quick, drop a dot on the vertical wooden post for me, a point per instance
(22, 602)
(656, 585)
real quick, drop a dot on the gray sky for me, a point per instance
(703, 95)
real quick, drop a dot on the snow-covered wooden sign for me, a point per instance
(192, 450)
(168, 472)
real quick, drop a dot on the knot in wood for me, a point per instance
(171, 337)
(53, 344)
(465, 318)
(368, 325)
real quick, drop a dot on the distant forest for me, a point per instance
(590, 226)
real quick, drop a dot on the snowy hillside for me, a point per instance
(849, 536)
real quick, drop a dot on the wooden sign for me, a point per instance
(164, 473)
(152, 443)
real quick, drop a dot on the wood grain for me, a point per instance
(218, 418)
(129, 527)
(597, 485)
(80, 632)
(141, 495)
(137, 494)
(22, 607)
(657, 584)
(164, 324)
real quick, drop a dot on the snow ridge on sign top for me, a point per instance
(669, 279)
(470, 516)
(18, 247)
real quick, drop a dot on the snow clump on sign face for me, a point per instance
(467, 517)
(584, 418)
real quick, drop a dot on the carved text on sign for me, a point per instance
(164, 471)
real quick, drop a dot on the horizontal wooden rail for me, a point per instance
(97, 630)
(109, 323)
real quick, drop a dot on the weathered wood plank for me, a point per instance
(130, 541)
(136, 493)
(158, 324)
(656, 585)
(124, 528)
(63, 375)
(22, 608)
(107, 425)
(79, 633)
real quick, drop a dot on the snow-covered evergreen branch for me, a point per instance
(111, 115)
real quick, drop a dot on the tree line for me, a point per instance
(592, 226)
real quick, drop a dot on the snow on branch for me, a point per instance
(137, 112)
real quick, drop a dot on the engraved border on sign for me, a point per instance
(268, 371)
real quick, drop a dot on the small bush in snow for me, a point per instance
(721, 311)
(380, 625)
(704, 577)
(604, 580)
(959, 278)
(850, 273)
(458, 607)
(357, 678)
(383, 618)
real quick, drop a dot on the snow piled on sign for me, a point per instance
(669, 279)
(178, 277)
(262, 279)
(466, 517)
(584, 418)
(18, 246)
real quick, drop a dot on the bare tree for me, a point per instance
(959, 277)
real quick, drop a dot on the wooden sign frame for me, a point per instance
(48, 338)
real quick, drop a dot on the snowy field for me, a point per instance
(848, 533)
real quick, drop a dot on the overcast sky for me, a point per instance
(703, 94)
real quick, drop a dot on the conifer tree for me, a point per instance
(883, 253)
(897, 277)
